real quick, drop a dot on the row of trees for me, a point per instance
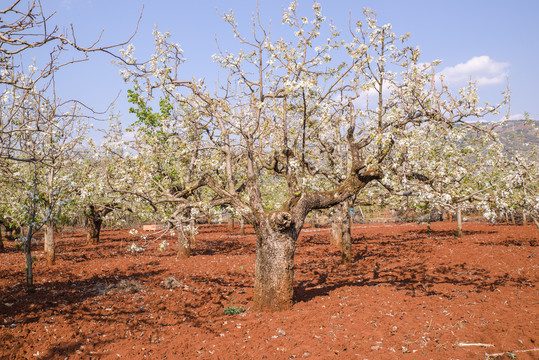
(299, 124)
(41, 134)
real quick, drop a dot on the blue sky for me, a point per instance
(490, 41)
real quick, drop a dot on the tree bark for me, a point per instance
(242, 227)
(49, 244)
(93, 228)
(459, 222)
(340, 235)
(337, 230)
(94, 220)
(184, 243)
(277, 233)
(1, 242)
(12, 231)
(274, 266)
(27, 247)
(524, 218)
(346, 245)
(535, 221)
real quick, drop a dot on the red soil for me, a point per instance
(409, 295)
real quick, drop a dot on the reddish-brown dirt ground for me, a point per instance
(411, 294)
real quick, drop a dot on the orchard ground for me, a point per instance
(410, 294)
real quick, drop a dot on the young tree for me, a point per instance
(281, 100)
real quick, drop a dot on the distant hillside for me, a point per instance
(520, 135)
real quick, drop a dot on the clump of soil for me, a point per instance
(410, 294)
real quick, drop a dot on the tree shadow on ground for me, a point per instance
(69, 348)
(416, 279)
(399, 261)
(307, 239)
(53, 294)
(225, 246)
(447, 233)
(510, 242)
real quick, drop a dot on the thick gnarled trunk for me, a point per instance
(274, 267)
(94, 220)
(93, 229)
(277, 234)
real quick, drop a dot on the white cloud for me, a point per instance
(369, 98)
(481, 69)
(516, 117)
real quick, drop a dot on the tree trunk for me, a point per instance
(513, 218)
(1, 242)
(337, 227)
(12, 231)
(524, 218)
(49, 245)
(93, 227)
(94, 220)
(242, 227)
(459, 223)
(335, 235)
(346, 245)
(363, 218)
(184, 243)
(274, 265)
(28, 260)
(340, 235)
(231, 224)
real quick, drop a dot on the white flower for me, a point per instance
(134, 248)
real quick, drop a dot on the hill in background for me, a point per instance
(520, 136)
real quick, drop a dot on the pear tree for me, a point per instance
(284, 100)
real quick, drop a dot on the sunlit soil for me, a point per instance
(410, 294)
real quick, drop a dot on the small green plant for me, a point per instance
(233, 310)
(512, 356)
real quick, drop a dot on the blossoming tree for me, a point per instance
(34, 123)
(284, 105)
